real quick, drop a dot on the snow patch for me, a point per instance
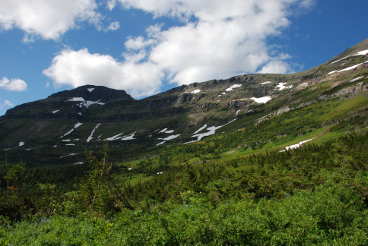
(196, 91)
(55, 111)
(282, 86)
(167, 131)
(210, 131)
(266, 83)
(296, 146)
(90, 90)
(114, 138)
(68, 155)
(360, 53)
(72, 130)
(356, 79)
(340, 60)
(235, 86)
(262, 100)
(21, 144)
(169, 138)
(121, 137)
(90, 137)
(200, 129)
(76, 99)
(129, 137)
(84, 103)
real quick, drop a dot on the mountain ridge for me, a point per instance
(106, 115)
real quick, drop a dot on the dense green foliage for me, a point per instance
(314, 195)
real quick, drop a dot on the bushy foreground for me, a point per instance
(330, 215)
(316, 195)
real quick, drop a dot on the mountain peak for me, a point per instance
(94, 93)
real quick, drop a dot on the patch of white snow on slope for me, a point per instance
(90, 137)
(114, 138)
(121, 137)
(360, 53)
(351, 68)
(90, 90)
(68, 155)
(235, 86)
(196, 91)
(21, 144)
(56, 111)
(84, 103)
(210, 131)
(348, 68)
(200, 129)
(282, 86)
(340, 60)
(296, 146)
(262, 100)
(356, 79)
(266, 83)
(167, 131)
(169, 138)
(76, 99)
(72, 130)
(129, 137)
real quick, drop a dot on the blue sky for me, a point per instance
(146, 46)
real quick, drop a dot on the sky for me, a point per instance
(148, 46)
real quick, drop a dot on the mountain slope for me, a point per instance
(67, 123)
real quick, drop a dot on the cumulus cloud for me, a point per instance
(275, 67)
(13, 84)
(77, 68)
(46, 18)
(217, 38)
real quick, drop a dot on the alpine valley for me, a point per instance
(256, 159)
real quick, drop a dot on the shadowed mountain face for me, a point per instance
(68, 122)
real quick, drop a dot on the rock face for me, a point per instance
(102, 113)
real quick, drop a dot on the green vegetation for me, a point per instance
(316, 195)
(235, 188)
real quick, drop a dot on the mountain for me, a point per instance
(251, 160)
(61, 127)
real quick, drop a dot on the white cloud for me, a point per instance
(278, 67)
(13, 84)
(111, 4)
(113, 26)
(77, 68)
(46, 18)
(218, 38)
(5, 105)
